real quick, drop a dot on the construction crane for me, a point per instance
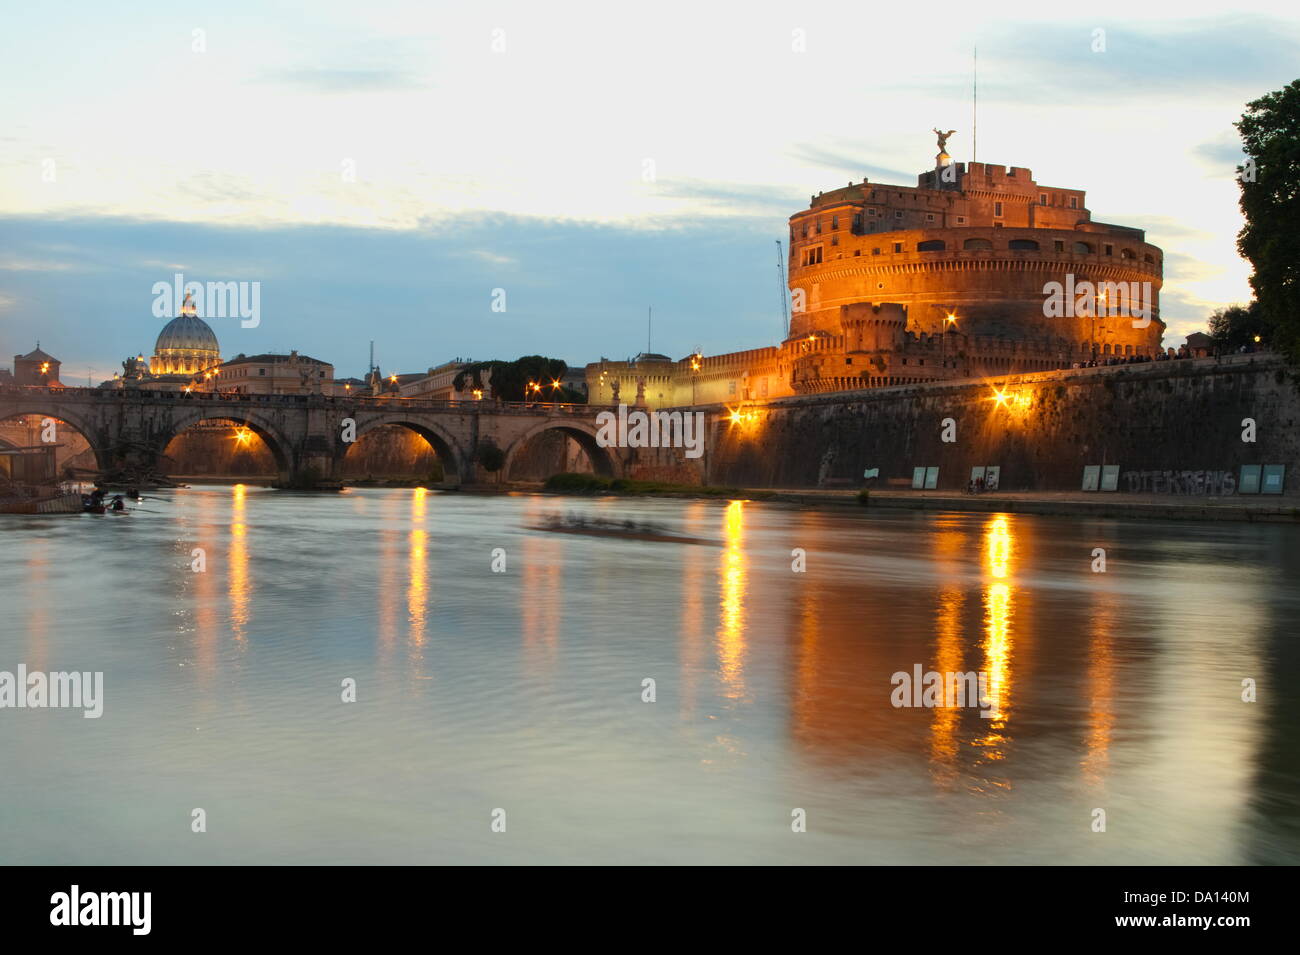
(780, 279)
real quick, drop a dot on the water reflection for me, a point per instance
(948, 547)
(1101, 691)
(417, 593)
(207, 618)
(731, 616)
(239, 579)
(540, 601)
(998, 551)
(775, 692)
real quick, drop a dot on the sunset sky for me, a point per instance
(523, 168)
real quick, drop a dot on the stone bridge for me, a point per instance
(306, 433)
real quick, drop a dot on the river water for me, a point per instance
(522, 690)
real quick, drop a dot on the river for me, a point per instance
(518, 694)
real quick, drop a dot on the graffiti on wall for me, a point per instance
(1181, 482)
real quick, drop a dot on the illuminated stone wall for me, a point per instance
(1175, 416)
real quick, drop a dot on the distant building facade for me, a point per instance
(36, 368)
(272, 374)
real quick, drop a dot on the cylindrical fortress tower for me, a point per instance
(981, 256)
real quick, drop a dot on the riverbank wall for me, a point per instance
(1178, 428)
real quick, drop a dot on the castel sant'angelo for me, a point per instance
(901, 285)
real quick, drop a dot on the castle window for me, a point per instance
(857, 251)
(875, 251)
(1083, 248)
(898, 247)
(929, 217)
(1024, 245)
(871, 212)
(977, 244)
(1147, 258)
(1126, 254)
(930, 245)
(835, 222)
(961, 220)
(1042, 198)
(812, 256)
(997, 208)
(835, 240)
(898, 213)
(848, 361)
(1074, 202)
(1058, 246)
(1110, 250)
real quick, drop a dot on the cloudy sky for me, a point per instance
(380, 168)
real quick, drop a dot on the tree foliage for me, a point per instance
(1270, 201)
(490, 456)
(1238, 325)
(510, 380)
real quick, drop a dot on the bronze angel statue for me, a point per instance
(943, 139)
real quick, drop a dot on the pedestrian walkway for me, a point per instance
(1270, 508)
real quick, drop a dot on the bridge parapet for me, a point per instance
(307, 434)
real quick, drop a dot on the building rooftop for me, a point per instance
(268, 358)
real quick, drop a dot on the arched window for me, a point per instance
(1026, 245)
(1148, 258)
(1126, 254)
(930, 245)
(977, 244)
(1082, 248)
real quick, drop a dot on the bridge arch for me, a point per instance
(603, 461)
(272, 436)
(451, 455)
(35, 408)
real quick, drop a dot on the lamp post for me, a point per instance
(950, 320)
(695, 373)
